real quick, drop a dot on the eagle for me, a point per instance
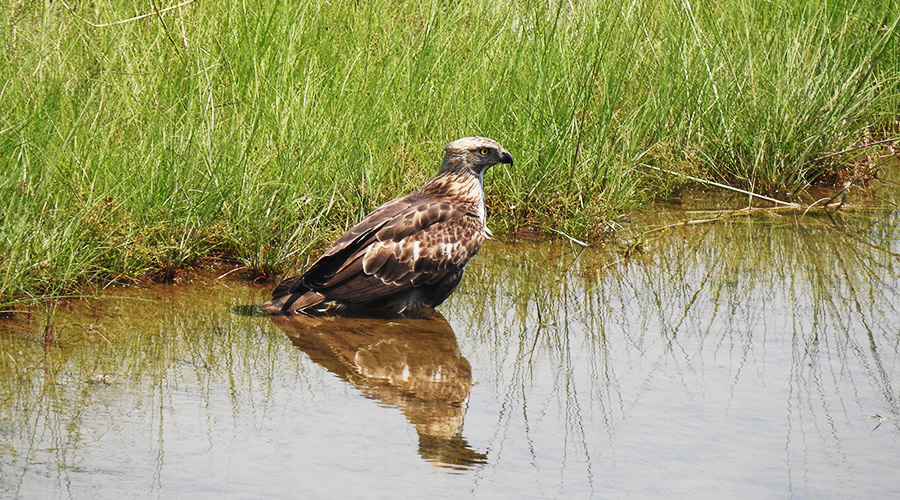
(409, 253)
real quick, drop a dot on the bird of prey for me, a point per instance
(409, 253)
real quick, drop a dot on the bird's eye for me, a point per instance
(484, 151)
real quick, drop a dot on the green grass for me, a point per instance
(255, 130)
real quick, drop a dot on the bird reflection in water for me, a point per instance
(412, 363)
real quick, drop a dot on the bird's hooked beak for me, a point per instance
(505, 157)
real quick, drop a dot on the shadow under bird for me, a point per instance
(409, 253)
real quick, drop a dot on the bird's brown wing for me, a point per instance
(295, 293)
(376, 219)
(355, 237)
(422, 244)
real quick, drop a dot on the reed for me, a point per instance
(256, 130)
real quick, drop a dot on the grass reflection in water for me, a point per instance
(765, 350)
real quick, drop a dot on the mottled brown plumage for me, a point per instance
(409, 253)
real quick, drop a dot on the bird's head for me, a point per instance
(475, 154)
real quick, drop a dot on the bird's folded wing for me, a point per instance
(351, 241)
(372, 223)
(420, 245)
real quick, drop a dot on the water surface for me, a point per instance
(752, 358)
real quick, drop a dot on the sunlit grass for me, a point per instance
(257, 130)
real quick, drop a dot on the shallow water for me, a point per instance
(754, 358)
